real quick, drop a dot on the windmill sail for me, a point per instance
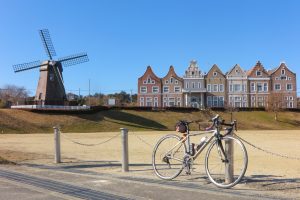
(47, 42)
(27, 66)
(73, 59)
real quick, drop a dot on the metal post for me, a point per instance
(229, 172)
(124, 132)
(57, 158)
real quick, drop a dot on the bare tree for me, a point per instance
(13, 94)
(276, 103)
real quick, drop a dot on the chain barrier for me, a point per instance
(266, 151)
(83, 144)
(141, 139)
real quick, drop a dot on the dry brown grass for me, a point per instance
(18, 121)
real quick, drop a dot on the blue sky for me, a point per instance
(123, 37)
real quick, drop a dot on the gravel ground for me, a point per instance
(266, 173)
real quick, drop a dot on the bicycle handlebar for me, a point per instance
(216, 121)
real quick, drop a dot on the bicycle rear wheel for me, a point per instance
(167, 157)
(217, 166)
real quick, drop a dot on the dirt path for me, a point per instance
(265, 172)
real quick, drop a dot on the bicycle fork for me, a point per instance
(221, 151)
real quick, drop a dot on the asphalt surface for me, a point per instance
(60, 182)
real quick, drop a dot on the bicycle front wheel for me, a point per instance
(167, 157)
(226, 162)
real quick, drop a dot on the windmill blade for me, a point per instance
(27, 66)
(74, 59)
(46, 39)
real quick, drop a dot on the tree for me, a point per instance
(276, 103)
(13, 94)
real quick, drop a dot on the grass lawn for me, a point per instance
(18, 121)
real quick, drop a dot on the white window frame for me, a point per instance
(215, 74)
(166, 89)
(283, 70)
(155, 87)
(260, 85)
(276, 84)
(221, 88)
(252, 87)
(155, 102)
(171, 80)
(221, 101)
(141, 89)
(209, 101)
(177, 89)
(199, 84)
(209, 87)
(258, 73)
(142, 103)
(239, 87)
(187, 85)
(148, 100)
(193, 85)
(215, 101)
(215, 88)
(266, 87)
(290, 85)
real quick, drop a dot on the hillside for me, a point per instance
(18, 121)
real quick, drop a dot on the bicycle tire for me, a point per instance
(166, 166)
(215, 167)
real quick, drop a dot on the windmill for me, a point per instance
(50, 89)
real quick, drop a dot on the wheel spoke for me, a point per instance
(216, 167)
(167, 157)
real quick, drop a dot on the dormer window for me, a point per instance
(215, 74)
(258, 73)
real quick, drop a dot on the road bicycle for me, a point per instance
(226, 158)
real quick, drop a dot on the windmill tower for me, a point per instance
(50, 89)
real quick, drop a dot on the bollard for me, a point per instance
(124, 132)
(229, 172)
(56, 145)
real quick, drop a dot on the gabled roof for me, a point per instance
(150, 71)
(282, 64)
(172, 73)
(236, 66)
(215, 67)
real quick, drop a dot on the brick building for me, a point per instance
(172, 89)
(237, 88)
(284, 88)
(259, 86)
(149, 89)
(216, 87)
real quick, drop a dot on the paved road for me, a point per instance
(42, 182)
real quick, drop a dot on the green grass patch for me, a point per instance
(17, 121)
